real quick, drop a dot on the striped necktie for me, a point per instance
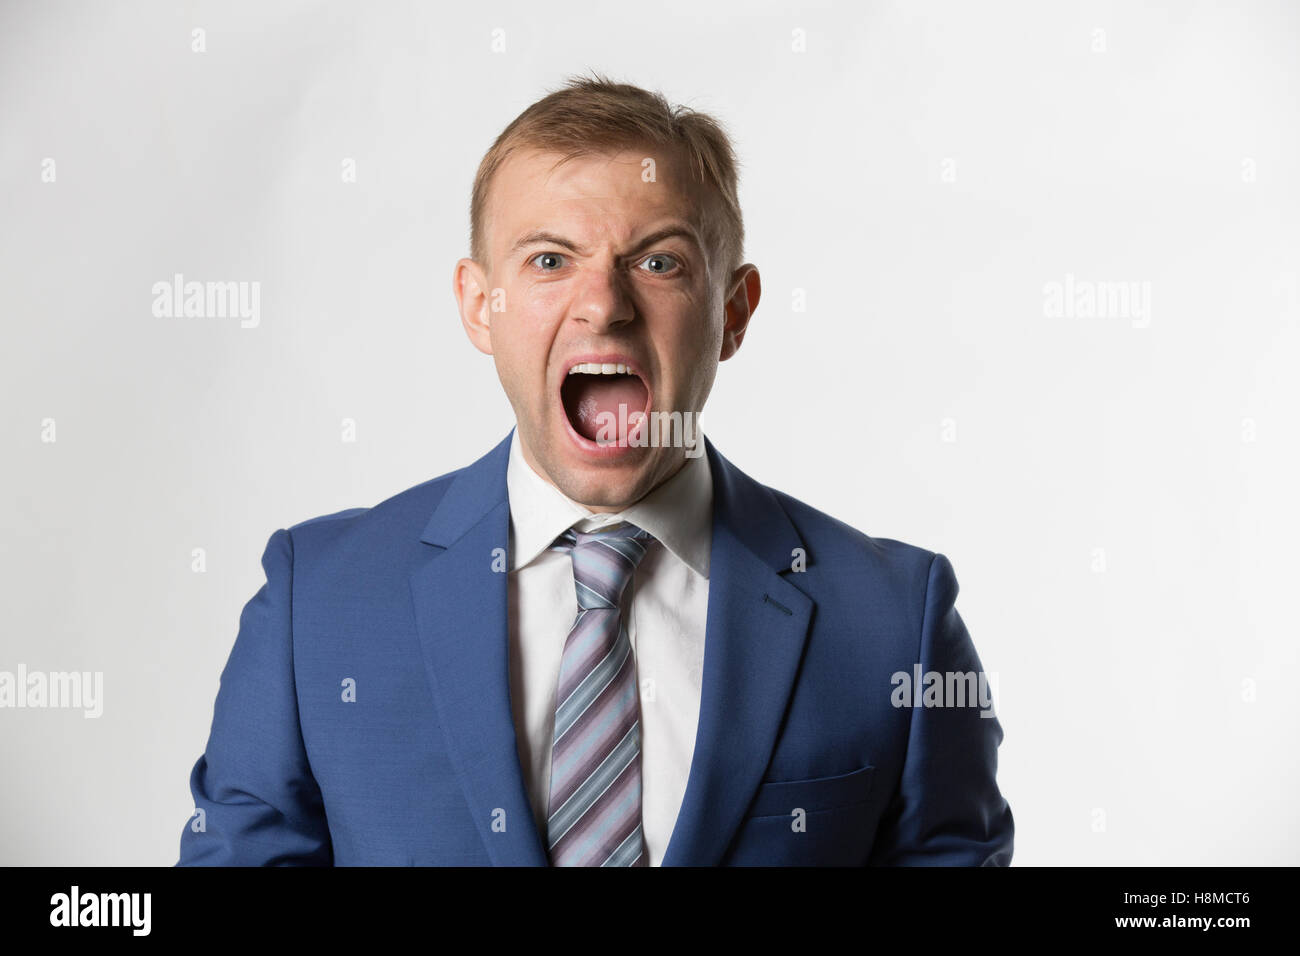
(594, 817)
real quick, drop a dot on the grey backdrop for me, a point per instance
(932, 191)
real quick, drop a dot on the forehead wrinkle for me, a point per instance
(687, 207)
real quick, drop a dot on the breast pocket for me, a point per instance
(784, 797)
(819, 821)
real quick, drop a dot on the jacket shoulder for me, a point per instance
(887, 580)
(403, 515)
(828, 530)
(832, 543)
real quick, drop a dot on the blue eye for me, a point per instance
(548, 257)
(661, 257)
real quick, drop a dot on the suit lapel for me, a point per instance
(755, 633)
(460, 612)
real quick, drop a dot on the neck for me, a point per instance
(677, 466)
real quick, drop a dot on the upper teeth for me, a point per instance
(600, 368)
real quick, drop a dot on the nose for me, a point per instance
(601, 301)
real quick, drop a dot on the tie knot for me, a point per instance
(603, 561)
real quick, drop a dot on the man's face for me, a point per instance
(592, 266)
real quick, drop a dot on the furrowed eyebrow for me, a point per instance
(543, 238)
(538, 237)
(666, 233)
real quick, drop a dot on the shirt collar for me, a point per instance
(678, 512)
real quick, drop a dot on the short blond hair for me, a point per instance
(594, 115)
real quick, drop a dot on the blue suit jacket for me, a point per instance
(800, 756)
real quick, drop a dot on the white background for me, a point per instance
(921, 172)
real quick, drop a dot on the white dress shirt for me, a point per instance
(664, 609)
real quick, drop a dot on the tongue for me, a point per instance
(593, 402)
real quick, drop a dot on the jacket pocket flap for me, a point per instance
(782, 797)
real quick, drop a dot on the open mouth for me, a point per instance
(602, 399)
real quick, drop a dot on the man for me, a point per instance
(601, 643)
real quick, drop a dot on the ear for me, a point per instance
(739, 307)
(469, 283)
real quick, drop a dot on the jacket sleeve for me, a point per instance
(947, 810)
(256, 801)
